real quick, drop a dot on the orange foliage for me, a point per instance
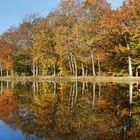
(124, 112)
(5, 107)
(6, 52)
(129, 133)
(103, 103)
(8, 65)
(9, 92)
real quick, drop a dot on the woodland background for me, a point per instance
(80, 37)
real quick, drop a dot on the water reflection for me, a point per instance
(138, 86)
(71, 110)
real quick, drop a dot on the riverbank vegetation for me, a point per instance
(79, 38)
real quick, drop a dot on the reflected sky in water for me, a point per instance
(7, 133)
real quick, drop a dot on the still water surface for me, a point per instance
(69, 111)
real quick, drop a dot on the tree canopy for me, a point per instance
(85, 37)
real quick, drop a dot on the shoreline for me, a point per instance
(71, 79)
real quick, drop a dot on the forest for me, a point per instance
(78, 38)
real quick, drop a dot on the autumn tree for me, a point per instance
(6, 57)
(116, 30)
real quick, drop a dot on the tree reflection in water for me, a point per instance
(71, 110)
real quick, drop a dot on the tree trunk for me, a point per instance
(12, 84)
(54, 70)
(34, 87)
(83, 87)
(33, 69)
(93, 64)
(75, 65)
(83, 70)
(12, 73)
(130, 92)
(7, 84)
(130, 66)
(99, 89)
(7, 73)
(76, 90)
(36, 68)
(129, 58)
(70, 95)
(1, 71)
(70, 64)
(1, 87)
(86, 73)
(54, 85)
(37, 87)
(93, 101)
(99, 67)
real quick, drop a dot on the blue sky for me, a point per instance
(115, 3)
(12, 12)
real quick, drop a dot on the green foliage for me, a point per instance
(22, 65)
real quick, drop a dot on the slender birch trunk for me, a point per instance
(34, 87)
(12, 84)
(70, 95)
(76, 90)
(54, 70)
(75, 65)
(86, 72)
(36, 67)
(7, 84)
(7, 73)
(99, 67)
(70, 64)
(93, 64)
(130, 92)
(54, 85)
(12, 73)
(33, 69)
(93, 101)
(130, 66)
(129, 58)
(83, 87)
(37, 87)
(83, 70)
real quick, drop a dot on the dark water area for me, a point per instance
(69, 111)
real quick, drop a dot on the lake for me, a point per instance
(69, 111)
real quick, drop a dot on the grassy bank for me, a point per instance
(72, 78)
